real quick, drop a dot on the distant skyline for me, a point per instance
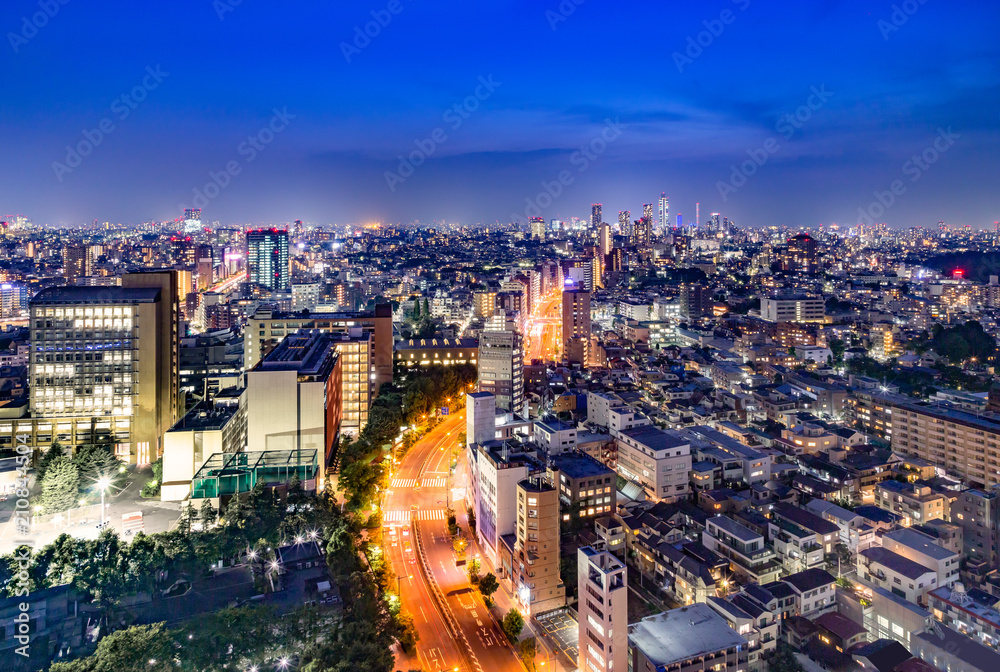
(264, 113)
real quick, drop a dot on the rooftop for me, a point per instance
(920, 542)
(96, 295)
(579, 465)
(681, 634)
(895, 562)
(655, 438)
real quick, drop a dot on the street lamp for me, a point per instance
(102, 484)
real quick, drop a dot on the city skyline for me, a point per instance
(267, 116)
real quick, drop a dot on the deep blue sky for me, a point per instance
(607, 59)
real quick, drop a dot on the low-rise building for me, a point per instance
(913, 502)
(692, 639)
(883, 568)
(657, 460)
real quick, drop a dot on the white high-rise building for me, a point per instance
(603, 611)
(480, 417)
(664, 212)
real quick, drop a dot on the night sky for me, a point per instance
(680, 120)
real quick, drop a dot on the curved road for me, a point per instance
(421, 552)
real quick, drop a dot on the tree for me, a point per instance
(513, 623)
(408, 636)
(527, 651)
(120, 652)
(427, 308)
(54, 452)
(488, 585)
(95, 462)
(207, 514)
(416, 310)
(61, 487)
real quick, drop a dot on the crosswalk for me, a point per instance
(407, 516)
(423, 482)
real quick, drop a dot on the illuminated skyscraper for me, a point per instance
(595, 215)
(538, 228)
(192, 219)
(76, 262)
(664, 211)
(576, 324)
(647, 212)
(605, 239)
(501, 366)
(267, 257)
(625, 223)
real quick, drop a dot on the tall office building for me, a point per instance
(535, 566)
(641, 232)
(104, 365)
(13, 299)
(205, 266)
(647, 212)
(576, 325)
(77, 262)
(625, 223)
(803, 254)
(538, 228)
(664, 212)
(501, 367)
(267, 257)
(192, 220)
(602, 584)
(595, 215)
(605, 240)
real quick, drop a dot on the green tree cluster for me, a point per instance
(403, 404)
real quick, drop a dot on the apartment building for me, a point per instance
(913, 502)
(586, 486)
(793, 308)
(800, 538)
(657, 460)
(751, 619)
(966, 444)
(602, 611)
(535, 563)
(960, 610)
(977, 512)
(554, 436)
(879, 567)
(923, 548)
(745, 549)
